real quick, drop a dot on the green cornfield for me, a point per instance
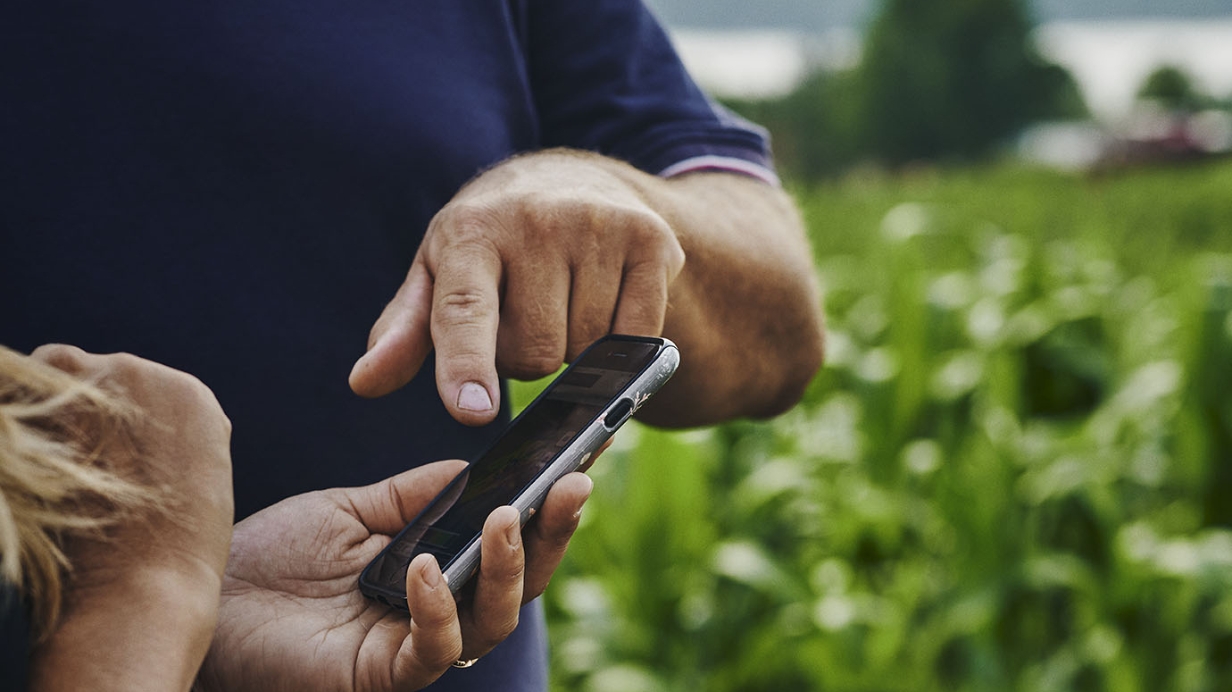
(1013, 473)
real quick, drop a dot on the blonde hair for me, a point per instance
(57, 477)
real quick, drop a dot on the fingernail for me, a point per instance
(514, 534)
(590, 488)
(431, 574)
(474, 397)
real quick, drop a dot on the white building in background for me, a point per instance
(1109, 60)
(762, 64)
(753, 64)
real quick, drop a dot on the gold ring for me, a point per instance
(464, 663)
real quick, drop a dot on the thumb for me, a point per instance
(388, 506)
(400, 340)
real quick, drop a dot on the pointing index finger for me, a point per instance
(465, 318)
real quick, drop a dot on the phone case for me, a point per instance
(459, 571)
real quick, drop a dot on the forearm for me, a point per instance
(745, 310)
(149, 633)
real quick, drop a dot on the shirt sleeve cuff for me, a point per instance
(730, 164)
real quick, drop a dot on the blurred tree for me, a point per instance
(1172, 88)
(940, 79)
(815, 129)
(953, 78)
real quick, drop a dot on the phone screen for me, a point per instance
(566, 408)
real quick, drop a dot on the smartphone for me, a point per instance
(561, 429)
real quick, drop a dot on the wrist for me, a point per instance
(148, 629)
(561, 168)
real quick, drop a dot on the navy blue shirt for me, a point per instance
(14, 639)
(236, 188)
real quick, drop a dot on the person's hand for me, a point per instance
(140, 602)
(178, 443)
(292, 617)
(525, 267)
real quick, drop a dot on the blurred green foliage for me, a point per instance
(1013, 473)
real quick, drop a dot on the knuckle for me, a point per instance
(539, 207)
(589, 250)
(667, 253)
(507, 574)
(57, 354)
(435, 621)
(463, 306)
(656, 239)
(674, 256)
(550, 220)
(127, 364)
(466, 223)
(133, 375)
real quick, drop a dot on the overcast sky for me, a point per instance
(820, 15)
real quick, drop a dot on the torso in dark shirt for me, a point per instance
(236, 188)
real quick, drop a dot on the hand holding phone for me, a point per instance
(573, 417)
(296, 563)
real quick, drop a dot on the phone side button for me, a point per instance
(618, 414)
